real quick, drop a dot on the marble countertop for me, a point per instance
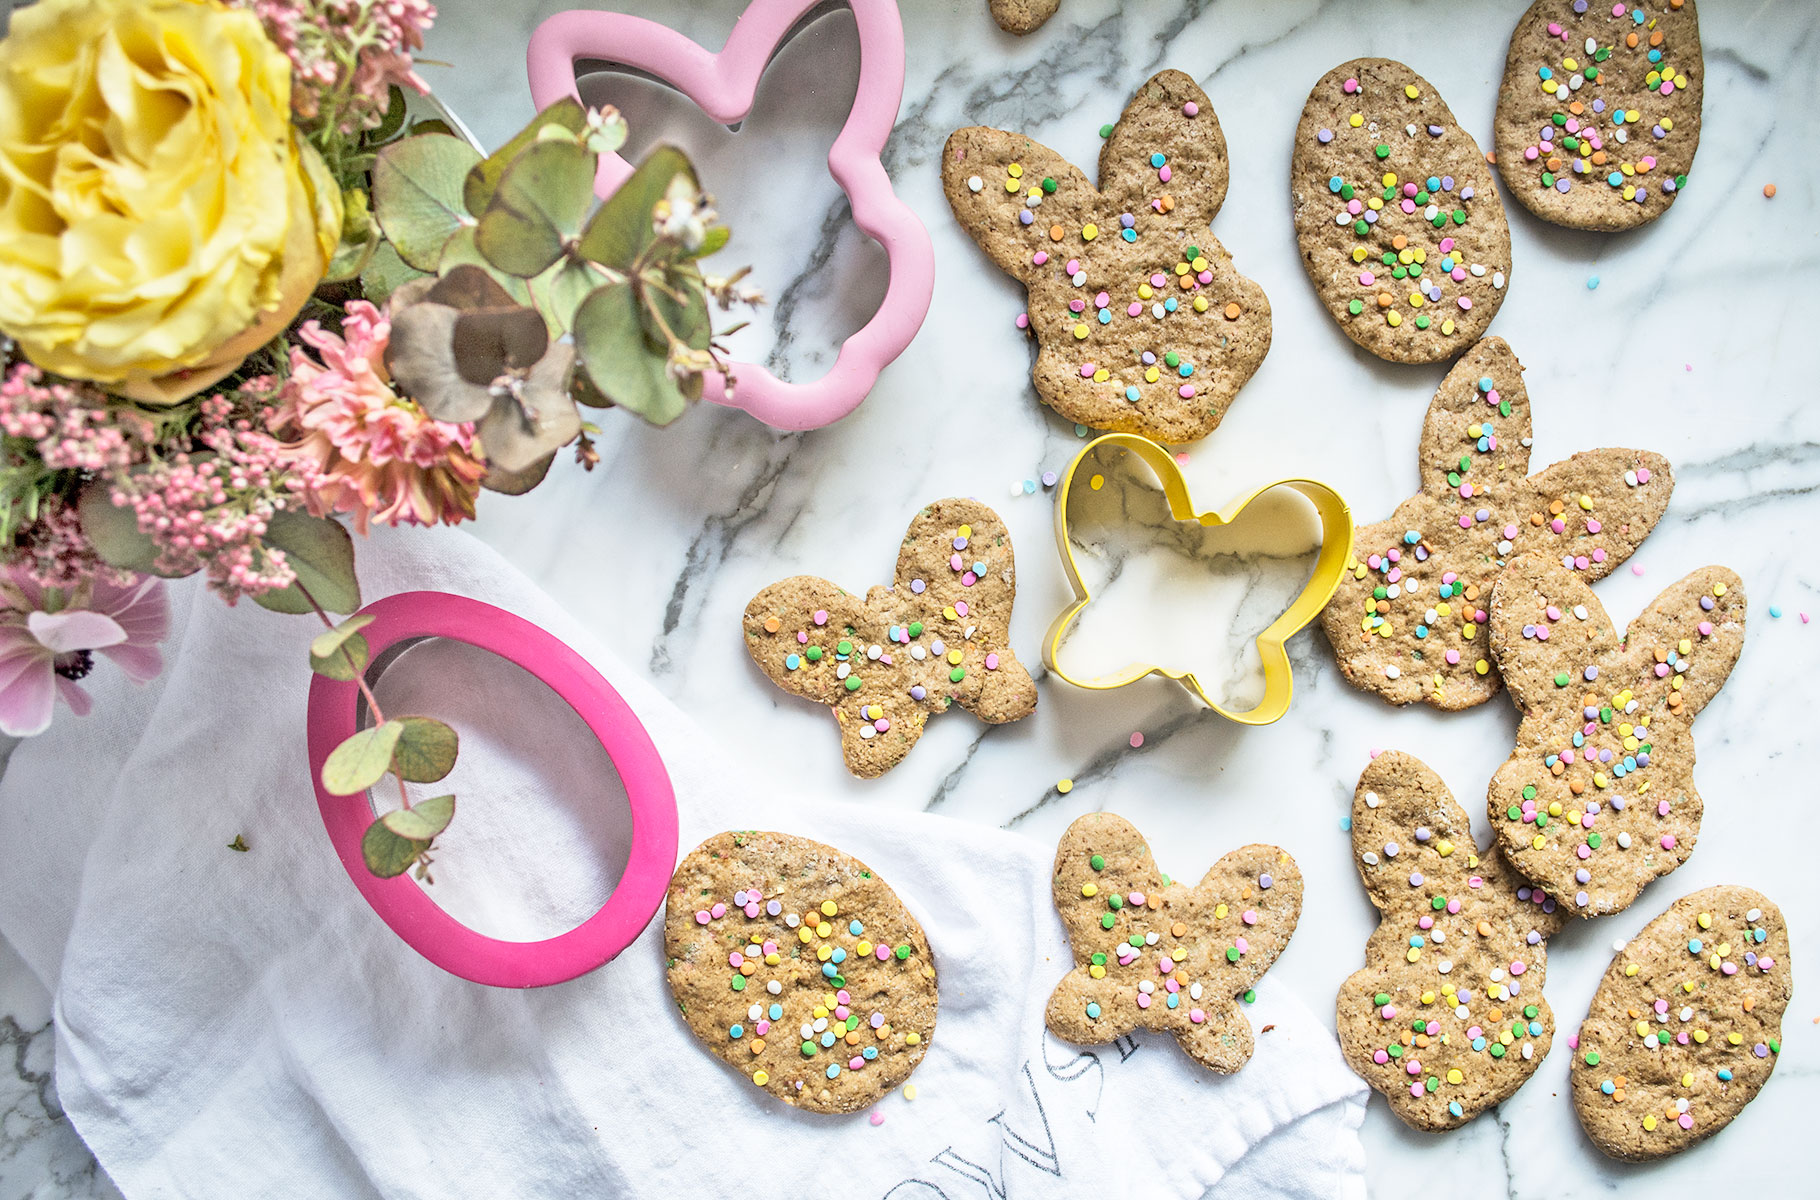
(1697, 342)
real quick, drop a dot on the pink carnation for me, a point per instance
(362, 448)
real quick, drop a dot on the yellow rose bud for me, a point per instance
(160, 219)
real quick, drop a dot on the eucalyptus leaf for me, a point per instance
(325, 643)
(322, 554)
(346, 661)
(385, 273)
(114, 531)
(538, 207)
(609, 333)
(567, 113)
(423, 820)
(462, 252)
(426, 750)
(559, 291)
(689, 321)
(422, 361)
(393, 121)
(359, 238)
(716, 239)
(583, 389)
(524, 428)
(621, 227)
(361, 761)
(387, 855)
(417, 184)
(517, 483)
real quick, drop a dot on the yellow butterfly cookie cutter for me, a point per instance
(1336, 547)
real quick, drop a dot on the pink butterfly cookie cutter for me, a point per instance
(725, 86)
(335, 711)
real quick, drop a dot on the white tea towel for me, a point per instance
(241, 1024)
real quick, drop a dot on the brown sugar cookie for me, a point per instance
(1153, 954)
(886, 663)
(1408, 622)
(1599, 110)
(1686, 1025)
(1598, 797)
(799, 968)
(1400, 228)
(1022, 16)
(1142, 323)
(1447, 1017)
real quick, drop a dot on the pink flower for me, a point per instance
(362, 448)
(48, 640)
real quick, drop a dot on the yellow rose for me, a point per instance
(160, 219)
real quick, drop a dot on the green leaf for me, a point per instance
(557, 293)
(385, 273)
(359, 238)
(621, 229)
(715, 240)
(538, 208)
(462, 252)
(477, 189)
(324, 644)
(322, 554)
(393, 121)
(388, 855)
(688, 321)
(114, 532)
(583, 391)
(421, 821)
(609, 332)
(361, 761)
(517, 483)
(426, 750)
(347, 660)
(417, 187)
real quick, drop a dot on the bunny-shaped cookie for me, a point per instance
(1447, 1017)
(1142, 323)
(937, 637)
(1409, 621)
(1153, 954)
(1598, 797)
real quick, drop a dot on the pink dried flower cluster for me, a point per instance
(346, 54)
(55, 553)
(210, 512)
(364, 449)
(72, 425)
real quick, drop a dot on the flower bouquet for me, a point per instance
(251, 295)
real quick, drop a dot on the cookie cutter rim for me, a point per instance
(334, 714)
(1330, 565)
(724, 85)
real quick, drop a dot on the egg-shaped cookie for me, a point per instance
(1400, 229)
(796, 965)
(1599, 110)
(1686, 1025)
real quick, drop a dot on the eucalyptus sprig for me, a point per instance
(411, 749)
(621, 282)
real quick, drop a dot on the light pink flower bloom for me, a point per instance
(362, 448)
(48, 643)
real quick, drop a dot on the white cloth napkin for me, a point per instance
(239, 1025)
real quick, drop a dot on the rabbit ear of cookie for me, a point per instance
(970, 536)
(1543, 616)
(1616, 494)
(992, 212)
(1690, 637)
(1401, 803)
(1478, 423)
(1167, 151)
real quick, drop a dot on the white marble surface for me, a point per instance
(1698, 343)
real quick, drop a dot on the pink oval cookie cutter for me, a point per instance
(725, 85)
(335, 709)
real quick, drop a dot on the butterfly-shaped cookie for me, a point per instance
(1408, 621)
(1598, 797)
(1447, 1016)
(1153, 954)
(1142, 323)
(885, 663)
